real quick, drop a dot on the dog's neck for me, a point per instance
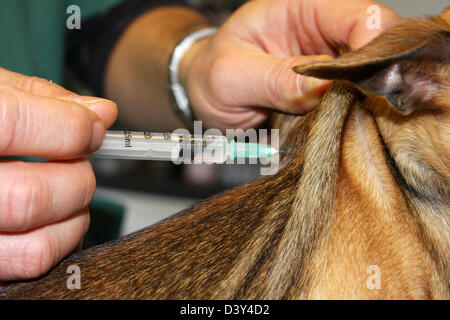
(420, 173)
(377, 217)
(380, 221)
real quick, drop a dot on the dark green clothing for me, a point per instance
(32, 34)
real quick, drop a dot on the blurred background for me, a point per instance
(143, 193)
(416, 8)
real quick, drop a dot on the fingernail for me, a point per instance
(311, 85)
(312, 59)
(96, 106)
(98, 134)
(93, 103)
(323, 57)
(85, 100)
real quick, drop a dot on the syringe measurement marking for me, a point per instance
(116, 144)
(128, 137)
(150, 137)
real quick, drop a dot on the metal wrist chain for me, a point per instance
(177, 91)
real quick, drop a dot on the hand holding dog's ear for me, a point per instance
(398, 65)
(237, 77)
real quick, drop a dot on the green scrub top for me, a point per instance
(32, 34)
(32, 43)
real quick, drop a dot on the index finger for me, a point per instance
(353, 22)
(46, 127)
(104, 108)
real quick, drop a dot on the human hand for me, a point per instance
(237, 77)
(43, 206)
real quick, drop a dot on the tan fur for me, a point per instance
(372, 227)
(363, 182)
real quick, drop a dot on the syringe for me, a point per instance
(178, 148)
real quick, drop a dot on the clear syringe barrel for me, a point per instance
(163, 146)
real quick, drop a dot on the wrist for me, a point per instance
(181, 60)
(191, 54)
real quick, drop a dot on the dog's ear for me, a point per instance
(398, 65)
(446, 15)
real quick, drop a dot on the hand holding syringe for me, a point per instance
(176, 147)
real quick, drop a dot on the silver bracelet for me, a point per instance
(178, 93)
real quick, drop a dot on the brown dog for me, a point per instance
(359, 208)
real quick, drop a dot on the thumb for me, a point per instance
(276, 86)
(361, 34)
(105, 109)
(298, 93)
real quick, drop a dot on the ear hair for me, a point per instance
(358, 65)
(396, 75)
(446, 15)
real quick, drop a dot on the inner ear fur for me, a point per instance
(389, 65)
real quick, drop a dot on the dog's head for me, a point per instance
(408, 65)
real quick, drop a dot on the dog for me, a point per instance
(359, 209)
